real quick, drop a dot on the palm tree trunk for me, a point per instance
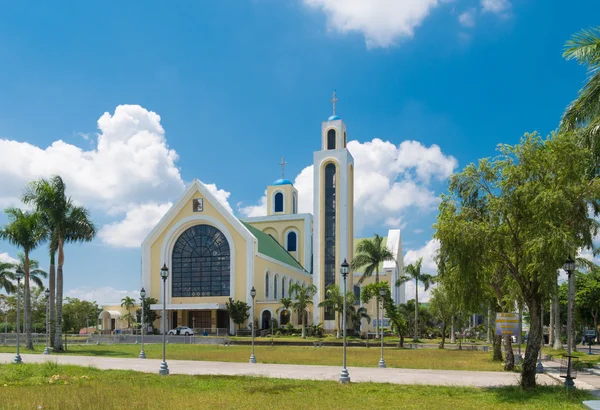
(377, 307)
(303, 325)
(416, 338)
(551, 327)
(443, 334)
(58, 344)
(453, 331)
(557, 324)
(27, 294)
(52, 289)
(339, 327)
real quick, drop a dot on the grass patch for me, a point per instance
(357, 356)
(50, 386)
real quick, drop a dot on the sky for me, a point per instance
(130, 101)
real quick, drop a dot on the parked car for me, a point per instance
(182, 330)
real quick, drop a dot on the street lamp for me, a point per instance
(143, 296)
(345, 376)
(569, 267)
(164, 369)
(382, 294)
(253, 294)
(47, 294)
(18, 275)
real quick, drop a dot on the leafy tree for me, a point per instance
(587, 297)
(286, 305)
(35, 273)
(238, 311)
(150, 316)
(334, 299)
(356, 314)
(534, 198)
(303, 298)
(77, 313)
(441, 305)
(583, 114)
(396, 314)
(26, 231)
(65, 223)
(413, 272)
(128, 303)
(370, 255)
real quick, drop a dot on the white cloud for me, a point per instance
(6, 258)
(381, 22)
(103, 296)
(428, 253)
(388, 180)
(130, 164)
(424, 296)
(495, 6)
(467, 19)
(131, 231)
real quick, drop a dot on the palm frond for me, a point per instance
(584, 47)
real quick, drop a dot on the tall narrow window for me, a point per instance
(275, 286)
(283, 287)
(267, 285)
(278, 202)
(292, 242)
(331, 139)
(330, 224)
(344, 139)
(294, 203)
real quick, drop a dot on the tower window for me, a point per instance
(275, 286)
(331, 139)
(330, 228)
(267, 285)
(292, 240)
(295, 204)
(278, 202)
(344, 139)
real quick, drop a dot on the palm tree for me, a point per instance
(356, 315)
(583, 114)
(68, 223)
(286, 305)
(334, 299)
(370, 255)
(303, 297)
(128, 302)
(25, 230)
(35, 273)
(7, 276)
(414, 273)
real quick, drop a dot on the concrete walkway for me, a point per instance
(585, 379)
(290, 371)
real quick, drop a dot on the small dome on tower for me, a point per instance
(333, 118)
(282, 181)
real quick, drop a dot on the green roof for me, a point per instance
(358, 240)
(267, 245)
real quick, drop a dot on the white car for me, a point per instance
(181, 330)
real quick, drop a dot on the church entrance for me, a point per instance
(266, 320)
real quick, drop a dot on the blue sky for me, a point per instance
(238, 84)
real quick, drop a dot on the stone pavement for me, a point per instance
(585, 380)
(289, 371)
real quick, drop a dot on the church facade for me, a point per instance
(212, 255)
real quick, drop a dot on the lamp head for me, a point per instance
(47, 293)
(164, 272)
(345, 268)
(143, 293)
(253, 292)
(382, 291)
(19, 274)
(569, 264)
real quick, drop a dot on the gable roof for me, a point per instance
(267, 245)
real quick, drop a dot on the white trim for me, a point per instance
(190, 306)
(275, 192)
(286, 217)
(285, 265)
(267, 280)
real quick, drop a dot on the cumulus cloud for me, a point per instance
(6, 258)
(467, 19)
(103, 296)
(495, 6)
(131, 163)
(428, 253)
(381, 22)
(388, 180)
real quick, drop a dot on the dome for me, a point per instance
(283, 181)
(333, 118)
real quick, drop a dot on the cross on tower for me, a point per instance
(333, 101)
(282, 167)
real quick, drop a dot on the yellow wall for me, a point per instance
(288, 194)
(279, 229)
(239, 258)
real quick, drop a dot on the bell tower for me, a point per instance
(333, 212)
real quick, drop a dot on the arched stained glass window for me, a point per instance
(278, 202)
(283, 287)
(292, 242)
(267, 285)
(201, 263)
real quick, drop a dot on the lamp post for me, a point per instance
(164, 369)
(569, 267)
(253, 294)
(18, 275)
(143, 296)
(47, 294)
(345, 376)
(382, 294)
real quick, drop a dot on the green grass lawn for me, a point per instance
(50, 386)
(357, 356)
(584, 359)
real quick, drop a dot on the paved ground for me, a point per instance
(585, 380)
(288, 371)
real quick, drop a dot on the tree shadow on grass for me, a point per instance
(103, 353)
(552, 395)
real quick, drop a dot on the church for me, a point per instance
(212, 255)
